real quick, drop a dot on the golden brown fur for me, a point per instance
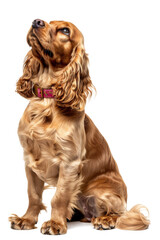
(62, 146)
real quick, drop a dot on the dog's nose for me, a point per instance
(38, 23)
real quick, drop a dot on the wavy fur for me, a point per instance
(133, 219)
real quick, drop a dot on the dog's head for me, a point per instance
(54, 42)
(58, 47)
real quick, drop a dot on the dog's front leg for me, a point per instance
(30, 218)
(68, 187)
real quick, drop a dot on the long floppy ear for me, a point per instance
(30, 69)
(74, 84)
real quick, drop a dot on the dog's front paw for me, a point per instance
(21, 223)
(53, 228)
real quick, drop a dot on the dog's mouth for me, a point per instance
(46, 52)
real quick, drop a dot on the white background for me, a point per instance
(122, 39)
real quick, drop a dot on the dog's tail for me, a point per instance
(133, 219)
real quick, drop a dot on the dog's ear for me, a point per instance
(74, 84)
(30, 69)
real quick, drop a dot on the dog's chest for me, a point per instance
(43, 140)
(49, 137)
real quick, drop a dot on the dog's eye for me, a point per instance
(65, 31)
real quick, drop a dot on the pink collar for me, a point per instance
(42, 92)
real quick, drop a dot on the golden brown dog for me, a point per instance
(62, 146)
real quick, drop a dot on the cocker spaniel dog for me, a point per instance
(62, 146)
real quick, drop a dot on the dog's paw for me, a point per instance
(103, 223)
(53, 228)
(21, 223)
